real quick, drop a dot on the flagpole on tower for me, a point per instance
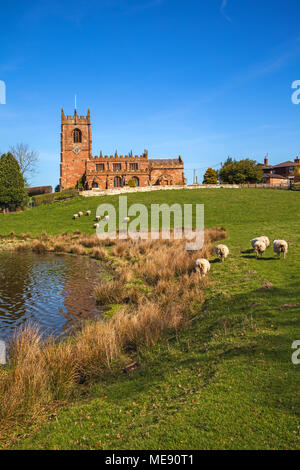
(75, 102)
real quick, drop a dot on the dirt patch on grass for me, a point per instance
(266, 286)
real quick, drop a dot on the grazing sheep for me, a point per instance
(75, 216)
(88, 213)
(96, 226)
(280, 246)
(202, 266)
(106, 217)
(98, 217)
(80, 214)
(262, 238)
(259, 248)
(265, 240)
(222, 251)
(126, 219)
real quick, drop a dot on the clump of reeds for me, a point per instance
(60, 247)
(112, 292)
(99, 253)
(77, 249)
(38, 246)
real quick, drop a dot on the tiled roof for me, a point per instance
(287, 163)
(274, 175)
(163, 161)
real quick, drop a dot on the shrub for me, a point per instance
(131, 183)
(54, 197)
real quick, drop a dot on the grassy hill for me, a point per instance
(227, 381)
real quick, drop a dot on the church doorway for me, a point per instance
(118, 182)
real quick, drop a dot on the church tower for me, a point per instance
(76, 148)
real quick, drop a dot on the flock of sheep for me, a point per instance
(97, 218)
(202, 265)
(259, 245)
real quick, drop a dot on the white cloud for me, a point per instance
(222, 10)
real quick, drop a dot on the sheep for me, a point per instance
(259, 247)
(126, 220)
(280, 246)
(96, 226)
(262, 238)
(202, 266)
(75, 216)
(222, 252)
(98, 217)
(265, 240)
(80, 214)
(106, 217)
(88, 213)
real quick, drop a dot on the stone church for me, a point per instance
(106, 172)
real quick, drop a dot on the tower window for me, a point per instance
(77, 136)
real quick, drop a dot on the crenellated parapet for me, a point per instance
(130, 157)
(75, 119)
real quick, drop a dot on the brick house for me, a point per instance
(106, 172)
(283, 173)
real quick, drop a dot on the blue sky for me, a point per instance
(203, 79)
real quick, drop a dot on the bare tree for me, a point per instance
(26, 158)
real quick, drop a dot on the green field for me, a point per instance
(225, 382)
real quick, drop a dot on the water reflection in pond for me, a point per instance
(53, 291)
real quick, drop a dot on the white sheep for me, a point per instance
(88, 213)
(280, 246)
(98, 217)
(126, 220)
(262, 238)
(265, 240)
(75, 216)
(259, 247)
(80, 214)
(202, 266)
(96, 226)
(222, 251)
(106, 217)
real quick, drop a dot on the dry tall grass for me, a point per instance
(42, 371)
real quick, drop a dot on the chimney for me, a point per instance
(297, 160)
(266, 161)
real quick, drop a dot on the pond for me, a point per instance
(52, 291)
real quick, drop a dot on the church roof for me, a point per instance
(164, 161)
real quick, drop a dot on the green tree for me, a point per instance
(210, 176)
(239, 172)
(12, 185)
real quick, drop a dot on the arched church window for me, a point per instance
(136, 180)
(77, 136)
